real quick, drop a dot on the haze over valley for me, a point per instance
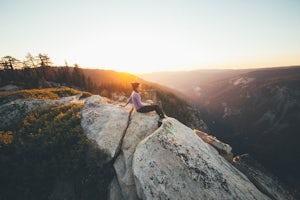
(257, 111)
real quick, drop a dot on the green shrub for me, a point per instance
(49, 157)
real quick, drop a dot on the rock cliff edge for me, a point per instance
(170, 162)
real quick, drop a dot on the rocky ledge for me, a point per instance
(170, 162)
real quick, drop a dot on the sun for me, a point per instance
(134, 51)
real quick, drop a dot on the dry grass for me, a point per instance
(48, 93)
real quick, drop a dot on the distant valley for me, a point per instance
(256, 111)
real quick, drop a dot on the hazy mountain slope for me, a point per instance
(256, 111)
(188, 82)
(262, 110)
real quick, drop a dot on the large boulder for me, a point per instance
(221, 147)
(105, 123)
(174, 163)
(213, 141)
(141, 125)
(170, 162)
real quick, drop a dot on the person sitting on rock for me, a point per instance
(135, 99)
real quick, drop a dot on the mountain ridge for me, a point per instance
(256, 111)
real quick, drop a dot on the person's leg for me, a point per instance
(159, 111)
(150, 108)
(146, 109)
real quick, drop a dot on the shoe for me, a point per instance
(161, 116)
(159, 124)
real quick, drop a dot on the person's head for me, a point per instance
(135, 86)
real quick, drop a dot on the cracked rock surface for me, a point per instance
(174, 163)
(169, 162)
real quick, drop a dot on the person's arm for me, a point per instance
(128, 101)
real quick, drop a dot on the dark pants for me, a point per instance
(155, 108)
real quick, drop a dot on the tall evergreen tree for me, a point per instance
(78, 77)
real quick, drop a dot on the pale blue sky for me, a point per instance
(139, 36)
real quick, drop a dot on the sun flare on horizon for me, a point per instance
(140, 37)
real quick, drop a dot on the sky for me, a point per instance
(140, 36)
